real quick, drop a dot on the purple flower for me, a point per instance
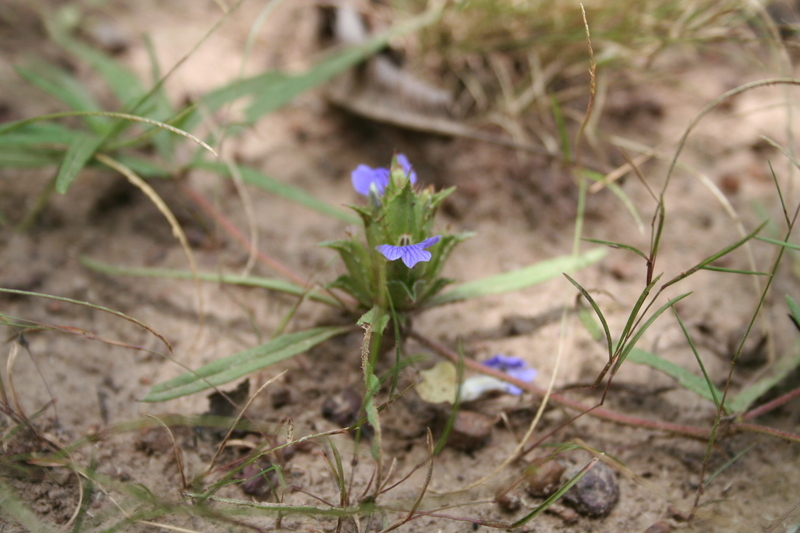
(405, 164)
(514, 367)
(364, 178)
(411, 254)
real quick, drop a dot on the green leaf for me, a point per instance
(123, 83)
(699, 360)
(686, 379)
(290, 192)
(271, 284)
(242, 363)
(79, 152)
(519, 279)
(782, 368)
(29, 158)
(779, 243)
(736, 271)
(626, 349)
(38, 133)
(794, 309)
(66, 88)
(274, 89)
(606, 331)
(619, 245)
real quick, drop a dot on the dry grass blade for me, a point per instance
(239, 417)
(92, 306)
(175, 449)
(167, 212)
(12, 391)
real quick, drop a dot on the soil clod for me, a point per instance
(471, 431)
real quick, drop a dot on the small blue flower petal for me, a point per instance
(364, 178)
(514, 367)
(411, 254)
(405, 164)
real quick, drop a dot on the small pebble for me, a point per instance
(595, 494)
(543, 480)
(471, 431)
(508, 499)
(659, 527)
(564, 513)
(259, 479)
(677, 514)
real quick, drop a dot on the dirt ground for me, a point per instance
(522, 209)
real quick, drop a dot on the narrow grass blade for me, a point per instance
(686, 379)
(272, 284)
(712, 389)
(735, 271)
(242, 363)
(91, 306)
(39, 133)
(606, 331)
(727, 464)
(710, 259)
(5, 128)
(272, 185)
(782, 368)
(636, 336)
(519, 279)
(79, 152)
(794, 309)
(274, 89)
(66, 88)
(620, 246)
(123, 83)
(634, 314)
(779, 243)
(30, 158)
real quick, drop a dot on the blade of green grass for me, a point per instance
(274, 89)
(555, 496)
(779, 243)
(606, 330)
(686, 379)
(29, 158)
(712, 389)
(644, 327)
(272, 284)
(122, 82)
(79, 152)
(66, 88)
(242, 363)
(618, 245)
(735, 271)
(519, 279)
(272, 185)
(794, 309)
(39, 133)
(133, 118)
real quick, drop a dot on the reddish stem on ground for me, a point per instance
(599, 412)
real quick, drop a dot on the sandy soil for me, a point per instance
(522, 209)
